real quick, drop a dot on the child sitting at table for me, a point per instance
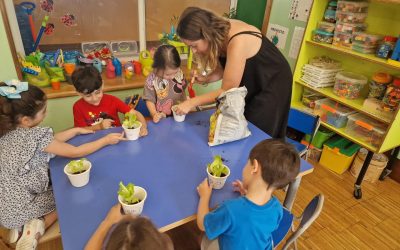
(127, 232)
(27, 202)
(95, 110)
(165, 86)
(248, 221)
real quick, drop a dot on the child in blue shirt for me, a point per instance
(248, 221)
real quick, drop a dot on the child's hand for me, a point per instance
(106, 123)
(158, 116)
(114, 215)
(143, 131)
(204, 189)
(114, 138)
(83, 131)
(238, 187)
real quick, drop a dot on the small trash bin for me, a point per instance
(375, 168)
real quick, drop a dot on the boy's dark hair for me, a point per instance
(11, 110)
(136, 233)
(166, 56)
(279, 162)
(86, 79)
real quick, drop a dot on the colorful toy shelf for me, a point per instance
(383, 18)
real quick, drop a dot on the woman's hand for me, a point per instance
(184, 107)
(238, 187)
(158, 116)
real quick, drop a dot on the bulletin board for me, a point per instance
(100, 20)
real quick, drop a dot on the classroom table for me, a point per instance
(169, 163)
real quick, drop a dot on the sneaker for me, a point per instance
(28, 239)
(13, 235)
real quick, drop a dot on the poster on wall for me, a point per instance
(277, 34)
(295, 45)
(300, 10)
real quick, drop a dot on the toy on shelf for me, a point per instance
(391, 99)
(147, 61)
(110, 69)
(137, 66)
(118, 66)
(97, 64)
(128, 70)
(124, 48)
(395, 59)
(99, 50)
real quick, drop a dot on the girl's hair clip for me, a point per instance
(13, 89)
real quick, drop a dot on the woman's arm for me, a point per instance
(67, 150)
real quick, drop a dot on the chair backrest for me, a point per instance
(310, 214)
(283, 228)
(303, 122)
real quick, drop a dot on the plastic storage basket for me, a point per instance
(332, 112)
(349, 84)
(366, 129)
(338, 154)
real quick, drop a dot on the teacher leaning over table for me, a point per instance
(240, 55)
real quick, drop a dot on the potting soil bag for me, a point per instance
(228, 123)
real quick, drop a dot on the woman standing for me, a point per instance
(239, 54)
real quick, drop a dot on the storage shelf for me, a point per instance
(340, 131)
(356, 104)
(366, 57)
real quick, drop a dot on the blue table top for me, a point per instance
(169, 163)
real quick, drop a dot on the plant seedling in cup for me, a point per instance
(78, 172)
(217, 172)
(132, 198)
(131, 126)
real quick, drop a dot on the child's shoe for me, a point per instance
(13, 235)
(28, 239)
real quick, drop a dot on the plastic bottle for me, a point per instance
(118, 66)
(392, 96)
(386, 47)
(377, 85)
(110, 70)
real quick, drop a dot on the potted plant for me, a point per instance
(177, 118)
(78, 172)
(132, 198)
(131, 126)
(217, 172)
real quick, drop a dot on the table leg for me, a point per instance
(291, 193)
(388, 168)
(357, 186)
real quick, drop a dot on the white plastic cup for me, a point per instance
(177, 118)
(217, 182)
(134, 209)
(79, 180)
(132, 133)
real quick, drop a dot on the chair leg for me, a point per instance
(291, 193)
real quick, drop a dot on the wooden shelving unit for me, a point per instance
(383, 18)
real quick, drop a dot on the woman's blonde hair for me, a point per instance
(195, 24)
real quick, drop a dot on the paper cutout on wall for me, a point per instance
(277, 34)
(300, 10)
(49, 29)
(47, 5)
(297, 38)
(68, 20)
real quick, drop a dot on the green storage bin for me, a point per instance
(343, 145)
(320, 137)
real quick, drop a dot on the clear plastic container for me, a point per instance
(365, 49)
(377, 85)
(350, 28)
(349, 84)
(342, 40)
(332, 112)
(386, 47)
(366, 129)
(330, 12)
(349, 17)
(326, 26)
(391, 100)
(355, 7)
(322, 36)
(309, 97)
(366, 39)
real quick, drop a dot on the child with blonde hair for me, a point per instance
(27, 202)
